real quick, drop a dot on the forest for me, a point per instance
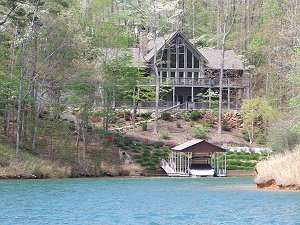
(51, 61)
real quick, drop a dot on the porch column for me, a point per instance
(225, 162)
(218, 163)
(228, 94)
(188, 155)
(192, 94)
(180, 163)
(173, 95)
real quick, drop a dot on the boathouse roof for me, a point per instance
(199, 146)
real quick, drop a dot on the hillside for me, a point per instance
(131, 152)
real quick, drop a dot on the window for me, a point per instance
(190, 74)
(164, 59)
(181, 48)
(172, 74)
(181, 79)
(164, 76)
(173, 60)
(181, 60)
(196, 62)
(189, 59)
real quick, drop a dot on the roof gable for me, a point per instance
(162, 42)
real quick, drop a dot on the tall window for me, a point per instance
(179, 59)
(189, 59)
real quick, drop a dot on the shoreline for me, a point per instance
(230, 173)
(271, 185)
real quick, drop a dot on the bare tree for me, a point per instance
(20, 99)
(155, 130)
(229, 9)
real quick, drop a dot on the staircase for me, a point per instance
(170, 171)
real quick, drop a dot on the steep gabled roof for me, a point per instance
(211, 57)
(163, 41)
(214, 58)
(160, 43)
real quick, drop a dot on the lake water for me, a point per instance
(145, 201)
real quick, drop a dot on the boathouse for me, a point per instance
(195, 158)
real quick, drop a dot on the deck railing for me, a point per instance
(142, 105)
(167, 105)
(200, 82)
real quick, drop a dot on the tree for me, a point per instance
(253, 110)
(229, 9)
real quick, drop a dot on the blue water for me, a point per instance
(145, 201)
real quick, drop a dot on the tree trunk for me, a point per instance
(20, 99)
(157, 86)
(33, 91)
(228, 11)
(221, 86)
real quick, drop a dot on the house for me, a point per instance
(187, 72)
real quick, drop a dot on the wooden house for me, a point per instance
(188, 72)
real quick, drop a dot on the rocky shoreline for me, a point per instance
(271, 185)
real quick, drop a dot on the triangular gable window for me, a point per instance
(177, 55)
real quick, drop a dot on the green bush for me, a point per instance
(234, 162)
(135, 150)
(164, 134)
(166, 116)
(200, 131)
(260, 137)
(127, 141)
(146, 115)
(158, 144)
(127, 115)
(192, 115)
(246, 135)
(195, 115)
(144, 126)
(146, 153)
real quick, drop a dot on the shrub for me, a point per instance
(164, 134)
(226, 125)
(246, 135)
(144, 126)
(172, 144)
(207, 117)
(200, 131)
(192, 115)
(260, 137)
(158, 144)
(127, 141)
(195, 115)
(146, 115)
(146, 153)
(166, 116)
(135, 150)
(127, 115)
